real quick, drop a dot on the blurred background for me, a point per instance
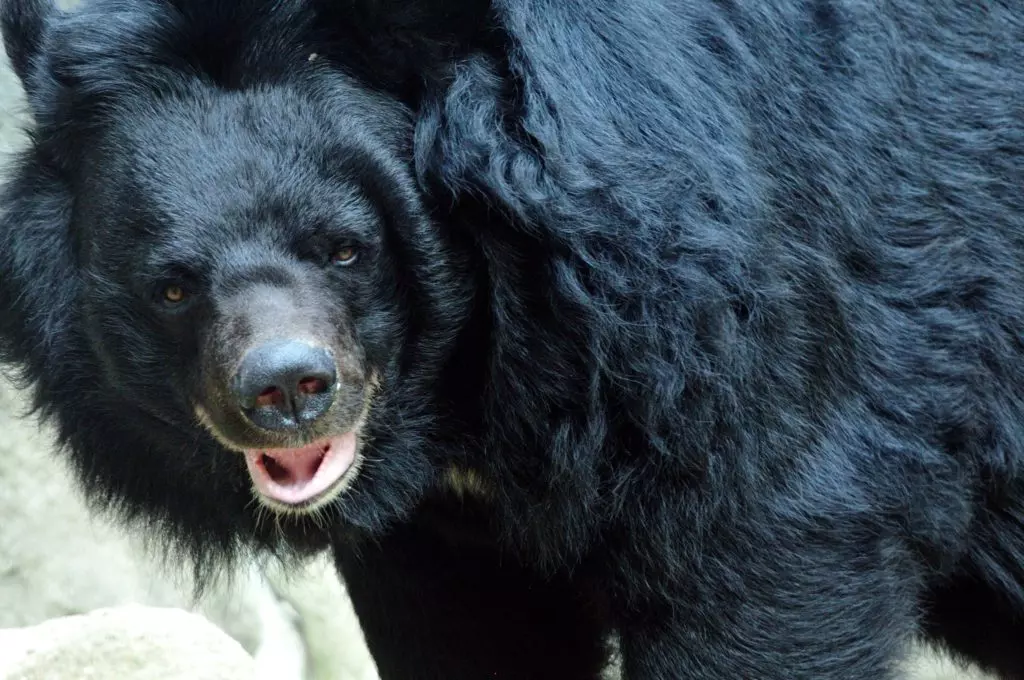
(56, 560)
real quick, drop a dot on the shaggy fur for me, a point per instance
(716, 340)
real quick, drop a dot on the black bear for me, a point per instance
(691, 330)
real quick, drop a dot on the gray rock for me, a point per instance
(124, 643)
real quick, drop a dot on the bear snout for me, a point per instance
(283, 384)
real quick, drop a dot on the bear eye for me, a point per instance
(344, 256)
(174, 294)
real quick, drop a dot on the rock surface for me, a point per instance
(124, 643)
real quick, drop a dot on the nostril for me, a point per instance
(272, 396)
(312, 386)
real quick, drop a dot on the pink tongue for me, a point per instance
(295, 476)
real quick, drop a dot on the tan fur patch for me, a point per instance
(465, 482)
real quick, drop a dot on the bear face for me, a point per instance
(239, 265)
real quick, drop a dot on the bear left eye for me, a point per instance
(344, 256)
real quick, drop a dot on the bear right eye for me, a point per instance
(174, 294)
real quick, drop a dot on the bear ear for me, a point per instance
(23, 24)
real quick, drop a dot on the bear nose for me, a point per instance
(285, 383)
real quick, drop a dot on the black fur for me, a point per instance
(721, 304)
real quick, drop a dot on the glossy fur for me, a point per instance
(699, 323)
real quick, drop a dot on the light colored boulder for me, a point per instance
(124, 643)
(928, 664)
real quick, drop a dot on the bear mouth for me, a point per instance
(304, 478)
